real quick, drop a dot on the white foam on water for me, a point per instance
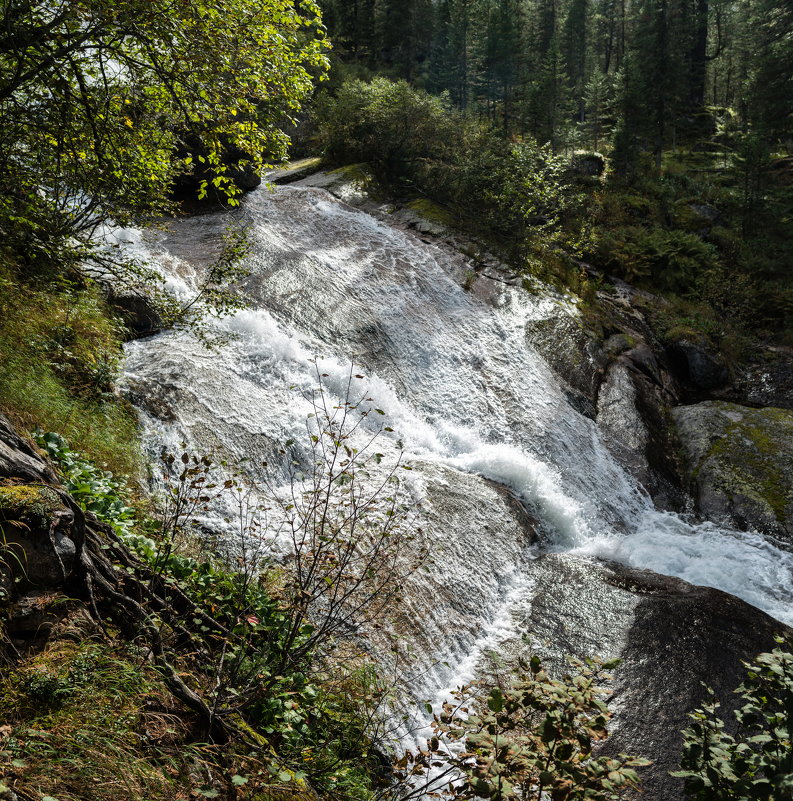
(337, 293)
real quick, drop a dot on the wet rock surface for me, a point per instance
(671, 636)
(138, 312)
(574, 354)
(701, 368)
(739, 463)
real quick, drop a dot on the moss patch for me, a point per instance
(750, 455)
(26, 500)
(741, 460)
(431, 211)
(358, 173)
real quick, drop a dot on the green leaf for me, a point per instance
(496, 700)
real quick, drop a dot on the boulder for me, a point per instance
(739, 464)
(186, 185)
(766, 379)
(40, 540)
(633, 403)
(139, 314)
(38, 546)
(671, 637)
(587, 164)
(19, 458)
(700, 368)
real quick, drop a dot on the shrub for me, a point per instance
(671, 260)
(757, 763)
(528, 738)
(419, 143)
(388, 124)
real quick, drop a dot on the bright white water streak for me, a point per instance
(462, 388)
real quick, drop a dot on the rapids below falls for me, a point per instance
(481, 417)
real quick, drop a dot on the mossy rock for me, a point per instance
(294, 171)
(740, 464)
(353, 172)
(36, 537)
(23, 502)
(431, 212)
(353, 184)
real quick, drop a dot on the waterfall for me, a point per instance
(463, 392)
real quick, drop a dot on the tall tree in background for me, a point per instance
(770, 107)
(404, 30)
(575, 51)
(645, 72)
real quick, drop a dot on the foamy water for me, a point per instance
(335, 292)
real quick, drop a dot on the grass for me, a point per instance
(60, 352)
(84, 719)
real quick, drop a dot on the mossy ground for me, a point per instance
(89, 719)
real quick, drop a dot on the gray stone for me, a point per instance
(765, 380)
(671, 637)
(699, 367)
(574, 354)
(591, 164)
(19, 458)
(140, 315)
(739, 463)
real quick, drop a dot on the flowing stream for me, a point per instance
(334, 290)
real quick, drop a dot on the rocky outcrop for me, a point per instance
(623, 380)
(19, 459)
(294, 171)
(765, 379)
(40, 540)
(670, 636)
(739, 464)
(700, 367)
(633, 412)
(574, 354)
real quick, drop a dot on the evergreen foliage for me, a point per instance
(529, 65)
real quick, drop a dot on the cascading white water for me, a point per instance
(463, 391)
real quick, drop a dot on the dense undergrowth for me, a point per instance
(91, 717)
(692, 231)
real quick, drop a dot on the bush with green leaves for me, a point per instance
(95, 490)
(669, 259)
(529, 737)
(755, 763)
(420, 144)
(391, 125)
